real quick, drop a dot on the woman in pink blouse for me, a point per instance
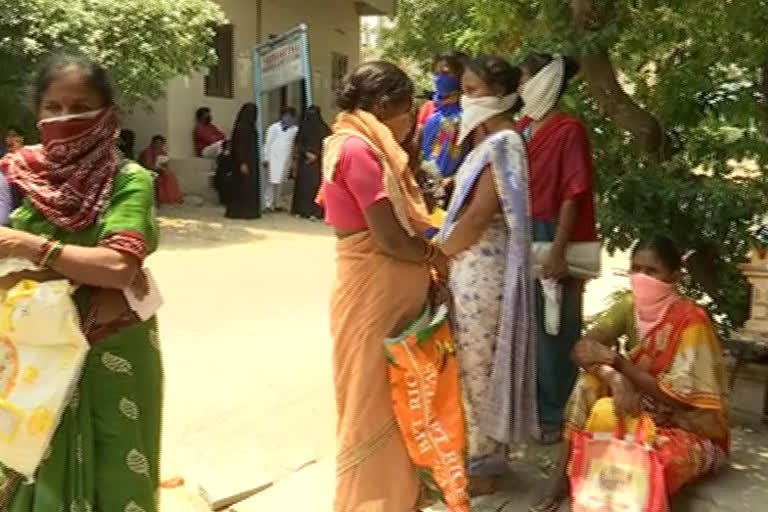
(375, 207)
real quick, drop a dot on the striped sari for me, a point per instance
(683, 353)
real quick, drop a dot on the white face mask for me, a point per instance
(541, 92)
(476, 111)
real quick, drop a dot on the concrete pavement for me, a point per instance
(246, 348)
(249, 403)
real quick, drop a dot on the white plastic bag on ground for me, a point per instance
(42, 350)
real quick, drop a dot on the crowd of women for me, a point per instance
(515, 175)
(86, 213)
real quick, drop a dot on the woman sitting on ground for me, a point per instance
(672, 375)
(155, 158)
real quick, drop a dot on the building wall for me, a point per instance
(333, 26)
(146, 122)
(187, 94)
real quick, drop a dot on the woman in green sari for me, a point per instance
(88, 216)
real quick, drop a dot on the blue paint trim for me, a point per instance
(306, 67)
(301, 32)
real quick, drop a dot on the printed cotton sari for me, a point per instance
(105, 453)
(491, 285)
(684, 354)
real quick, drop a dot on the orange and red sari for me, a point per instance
(684, 354)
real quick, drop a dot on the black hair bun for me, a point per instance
(348, 96)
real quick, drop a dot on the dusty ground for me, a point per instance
(248, 379)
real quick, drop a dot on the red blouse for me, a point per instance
(357, 184)
(205, 135)
(425, 112)
(561, 168)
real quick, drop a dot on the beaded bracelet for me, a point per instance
(49, 252)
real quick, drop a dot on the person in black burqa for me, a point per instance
(312, 130)
(243, 199)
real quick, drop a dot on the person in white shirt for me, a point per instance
(278, 155)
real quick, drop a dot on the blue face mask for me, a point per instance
(445, 85)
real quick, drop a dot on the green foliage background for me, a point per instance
(696, 65)
(143, 43)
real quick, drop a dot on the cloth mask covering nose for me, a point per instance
(541, 92)
(445, 85)
(476, 111)
(89, 129)
(653, 299)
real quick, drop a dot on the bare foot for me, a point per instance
(555, 493)
(483, 485)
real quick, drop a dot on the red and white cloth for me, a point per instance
(70, 176)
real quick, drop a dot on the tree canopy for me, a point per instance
(143, 43)
(676, 95)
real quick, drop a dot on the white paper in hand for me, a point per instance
(146, 307)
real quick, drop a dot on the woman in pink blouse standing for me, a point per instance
(375, 207)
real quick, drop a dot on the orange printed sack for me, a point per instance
(611, 472)
(426, 394)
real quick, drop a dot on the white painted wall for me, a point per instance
(146, 122)
(334, 25)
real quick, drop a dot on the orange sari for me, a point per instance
(684, 354)
(376, 297)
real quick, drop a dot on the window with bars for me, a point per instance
(220, 80)
(339, 69)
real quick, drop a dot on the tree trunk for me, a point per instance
(611, 99)
(648, 132)
(762, 88)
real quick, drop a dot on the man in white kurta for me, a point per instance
(278, 156)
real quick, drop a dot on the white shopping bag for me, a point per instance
(42, 350)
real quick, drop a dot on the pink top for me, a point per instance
(357, 184)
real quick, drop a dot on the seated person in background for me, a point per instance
(155, 158)
(673, 375)
(14, 141)
(209, 140)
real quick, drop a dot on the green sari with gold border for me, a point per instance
(105, 453)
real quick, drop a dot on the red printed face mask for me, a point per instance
(69, 177)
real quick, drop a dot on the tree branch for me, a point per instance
(612, 100)
(762, 88)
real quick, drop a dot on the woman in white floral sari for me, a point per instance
(487, 236)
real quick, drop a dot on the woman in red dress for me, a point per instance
(155, 158)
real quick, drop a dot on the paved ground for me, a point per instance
(248, 379)
(246, 348)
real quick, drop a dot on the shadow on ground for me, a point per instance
(205, 227)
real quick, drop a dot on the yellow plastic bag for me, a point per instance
(42, 351)
(437, 219)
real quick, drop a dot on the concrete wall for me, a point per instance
(334, 25)
(377, 7)
(146, 122)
